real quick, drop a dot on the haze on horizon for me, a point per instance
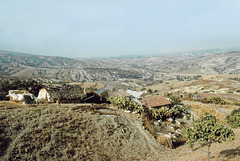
(94, 28)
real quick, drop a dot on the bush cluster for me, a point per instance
(216, 100)
(163, 113)
(125, 103)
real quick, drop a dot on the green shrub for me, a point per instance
(163, 113)
(154, 114)
(216, 100)
(177, 111)
(234, 118)
(174, 100)
(125, 103)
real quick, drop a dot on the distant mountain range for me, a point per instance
(14, 64)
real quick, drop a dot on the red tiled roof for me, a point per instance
(155, 101)
(207, 95)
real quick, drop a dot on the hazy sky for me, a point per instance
(87, 28)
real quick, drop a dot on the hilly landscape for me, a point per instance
(119, 80)
(109, 131)
(57, 69)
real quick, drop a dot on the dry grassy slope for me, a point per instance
(72, 132)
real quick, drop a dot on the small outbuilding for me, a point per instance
(61, 94)
(67, 94)
(155, 101)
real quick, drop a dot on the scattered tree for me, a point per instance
(208, 130)
(234, 118)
